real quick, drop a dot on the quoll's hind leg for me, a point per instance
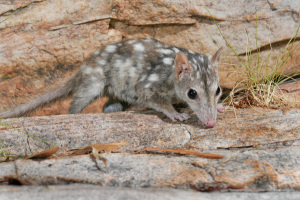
(86, 94)
(114, 105)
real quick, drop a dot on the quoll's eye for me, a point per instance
(218, 91)
(192, 94)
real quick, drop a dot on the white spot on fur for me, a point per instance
(208, 72)
(99, 70)
(132, 72)
(201, 59)
(93, 79)
(110, 48)
(164, 51)
(199, 67)
(208, 82)
(125, 68)
(194, 61)
(191, 52)
(139, 47)
(148, 40)
(168, 61)
(95, 87)
(153, 78)
(131, 41)
(87, 70)
(128, 63)
(101, 62)
(118, 63)
(143, 78)
(148, 85)
(198, 74)
(148, 68)
(175, 49)
(97, 52)
(104, 55)
(209, 57)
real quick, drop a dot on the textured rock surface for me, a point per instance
(255, 170)
(248, 128)
(260, 149)
(45, 42)
(73, 192)
(292, 90)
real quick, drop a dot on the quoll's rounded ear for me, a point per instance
(182, 65)
(214, 60)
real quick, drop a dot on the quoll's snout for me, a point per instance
(211, 123)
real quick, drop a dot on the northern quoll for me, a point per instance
(143, 72)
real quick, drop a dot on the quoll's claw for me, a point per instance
(220, 108)
(178, 116)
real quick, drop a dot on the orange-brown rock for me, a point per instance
(44, 42)
(260, 149)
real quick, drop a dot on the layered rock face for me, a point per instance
(260, 149)
(44, 42)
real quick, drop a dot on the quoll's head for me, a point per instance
(197, 84)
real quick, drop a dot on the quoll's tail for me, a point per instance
(45, 99)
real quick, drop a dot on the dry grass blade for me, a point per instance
(99, 147)
(182, 152)
(97, 156)
(12, 180)
(210, 188)
(95, 148)
(9, 159)
(106, 147)
(44, 154)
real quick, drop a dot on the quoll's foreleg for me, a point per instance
(165, 106)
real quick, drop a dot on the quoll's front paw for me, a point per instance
(178, 116)
(220, 108)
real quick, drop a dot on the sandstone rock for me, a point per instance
(79, 191)
(239, 128)
(260, 149)
(161, 171)
(246, 170)
(45, 42)
(291, 87)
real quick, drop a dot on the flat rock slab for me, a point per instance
(241, 128)
(260, 149)
(257, 170)
(75, 191)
